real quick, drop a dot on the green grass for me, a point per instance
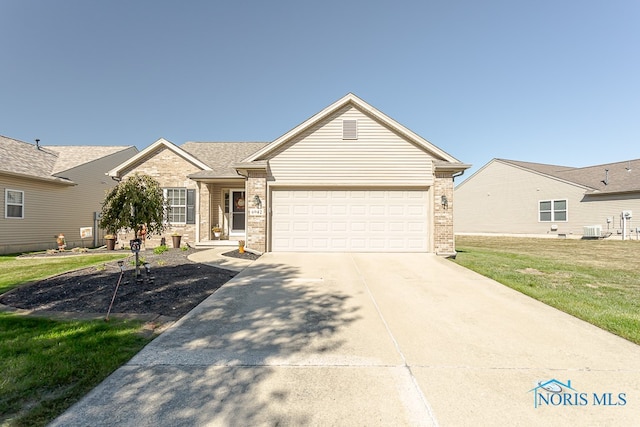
(595, 280)
(47, 365)
(15, 271)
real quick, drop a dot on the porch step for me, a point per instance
(207, 244)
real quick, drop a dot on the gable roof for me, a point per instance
(608, 178)
(351, 99)
(220, 156)
(23, 159)
(215, 159)
(70, 156)
(150, 150)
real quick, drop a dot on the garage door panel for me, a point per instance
(339, 226)
(320, 210)
(320, 226)
(301, 226)
(377, 227)
(338, 210)
(377, 210)
(349, 220)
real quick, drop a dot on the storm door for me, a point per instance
(237, 211)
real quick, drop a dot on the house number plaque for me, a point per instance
(255, 211)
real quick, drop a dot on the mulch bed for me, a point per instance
(174, 286)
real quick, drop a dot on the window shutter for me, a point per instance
(191, 206)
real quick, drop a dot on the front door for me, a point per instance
(237, 214)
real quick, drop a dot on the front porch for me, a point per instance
(209, 244)
(234, 207)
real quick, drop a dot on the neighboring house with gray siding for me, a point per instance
(50, 190)
(522, 198)
(348, 179)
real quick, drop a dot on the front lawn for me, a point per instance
(48, 365)
(595, 280)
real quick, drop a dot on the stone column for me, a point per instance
(257, 215)
(204, 215)
(444, 241)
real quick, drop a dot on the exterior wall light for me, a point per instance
(444, 201)
(257, 202)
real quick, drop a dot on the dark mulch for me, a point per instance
(175, 285)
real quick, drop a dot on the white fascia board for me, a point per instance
(115, 172)
(350, 98)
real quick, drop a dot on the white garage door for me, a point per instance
(349, 221)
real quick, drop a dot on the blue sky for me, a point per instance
(543, 81)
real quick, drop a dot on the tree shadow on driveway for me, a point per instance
(218, 364)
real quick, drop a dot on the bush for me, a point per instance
(160, 249)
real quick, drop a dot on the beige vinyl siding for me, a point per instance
(51, 209)
(378, 157)
(89, 193)
(503, 199)
(596, 210)
(44, 207)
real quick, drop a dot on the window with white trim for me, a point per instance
(13, 204)
(552, 210)
(177, 205)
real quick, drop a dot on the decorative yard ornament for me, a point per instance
(62, 243)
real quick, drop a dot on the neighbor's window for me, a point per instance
(177, 201)
(13, 204)
(552, 210)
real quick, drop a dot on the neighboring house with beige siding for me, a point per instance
(347, 179)
(50, 190)
(522, 198)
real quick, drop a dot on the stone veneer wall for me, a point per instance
(170, 170)
(256, 224)
(203, 216)
(444, 240)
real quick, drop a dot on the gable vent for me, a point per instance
(349, 129)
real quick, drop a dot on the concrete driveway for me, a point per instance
(370, 340)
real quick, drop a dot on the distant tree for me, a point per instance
(135, 202)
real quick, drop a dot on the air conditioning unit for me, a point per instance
(592, 231)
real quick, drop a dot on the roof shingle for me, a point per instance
(26, 159)
(221, 156)
(608, 178)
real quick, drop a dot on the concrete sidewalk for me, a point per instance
(369, 339)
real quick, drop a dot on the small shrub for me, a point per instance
(140, 261)
(160, 249)
(185, 248)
